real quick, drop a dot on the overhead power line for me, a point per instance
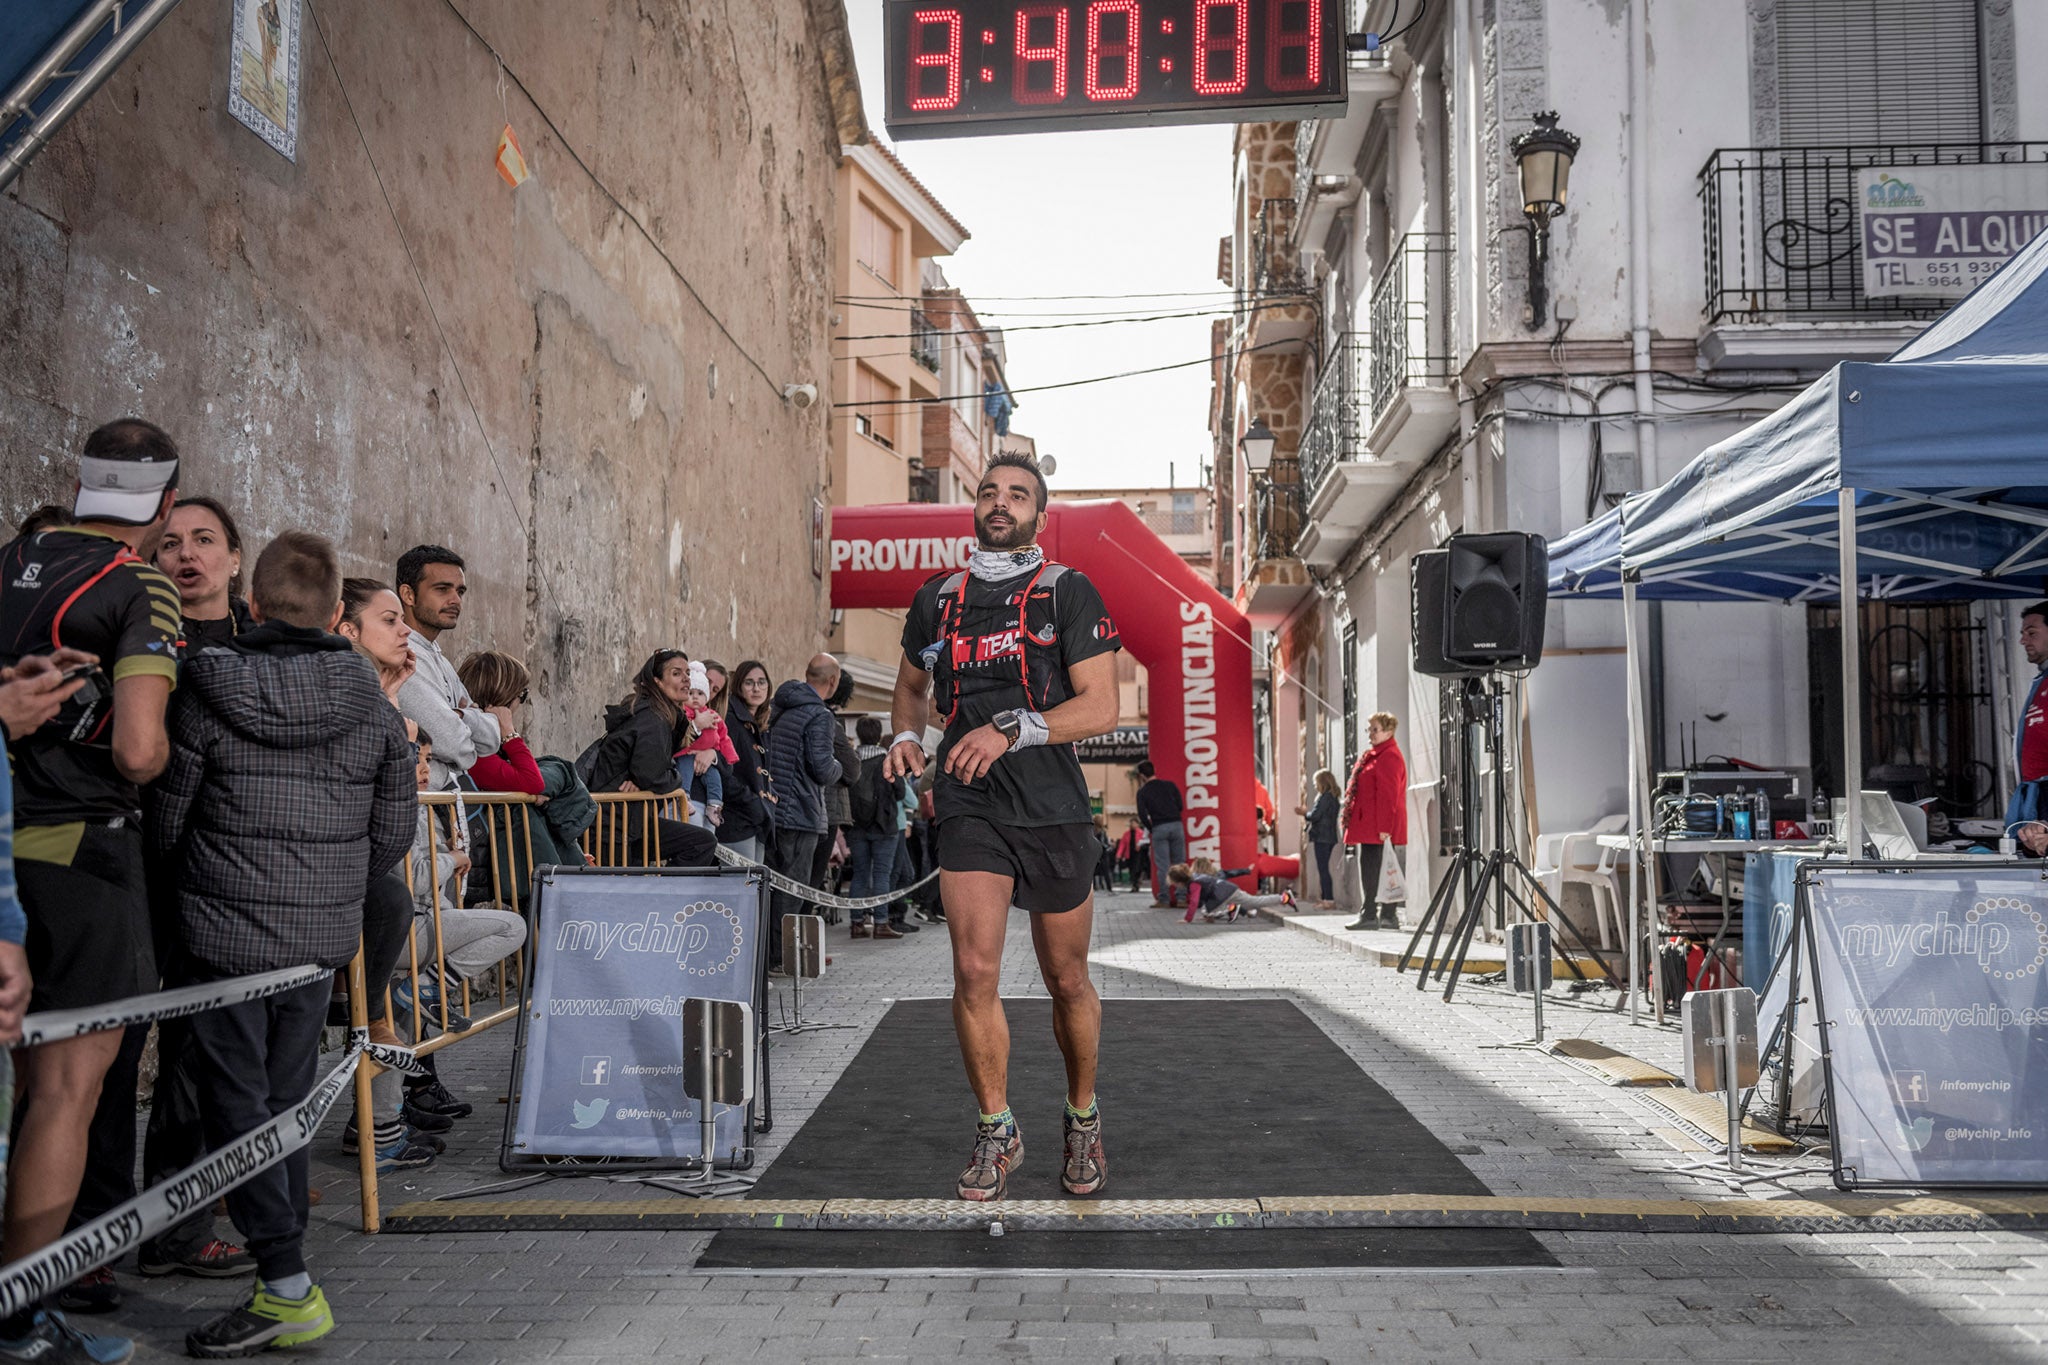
(943, 332)
(1067, 384)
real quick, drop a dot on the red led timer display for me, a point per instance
(989, 66)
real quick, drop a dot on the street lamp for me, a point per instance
(1257, 444)
(1543, 156)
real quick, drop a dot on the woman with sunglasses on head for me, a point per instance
(642, 733)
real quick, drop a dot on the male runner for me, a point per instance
(1023, 655)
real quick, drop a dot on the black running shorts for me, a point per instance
(1053, 866)
(89, 938)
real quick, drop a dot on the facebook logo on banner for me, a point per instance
(597, 1070)
(1910, 1086)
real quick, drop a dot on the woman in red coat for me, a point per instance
(1376, 814)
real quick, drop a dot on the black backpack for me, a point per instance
(873, 797)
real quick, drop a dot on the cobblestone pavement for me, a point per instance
(1523, 1123)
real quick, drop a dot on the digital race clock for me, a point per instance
(1013, 66)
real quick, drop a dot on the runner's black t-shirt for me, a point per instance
(80, 588)
(1032, 787)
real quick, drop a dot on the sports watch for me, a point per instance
(1009, 725)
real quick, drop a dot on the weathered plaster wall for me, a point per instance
(629, 477)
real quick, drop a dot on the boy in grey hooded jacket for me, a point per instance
(290, 787)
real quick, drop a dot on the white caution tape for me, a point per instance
(386, 1055)
(813, 895)
(54, 1026)
(163, 1205)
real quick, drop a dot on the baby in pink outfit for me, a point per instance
(710, 738)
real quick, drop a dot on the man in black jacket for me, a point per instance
(290, 787)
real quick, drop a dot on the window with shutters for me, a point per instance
(873, 415)
(877, 242)
(1852, 72)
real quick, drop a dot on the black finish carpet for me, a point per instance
(1200, 1099)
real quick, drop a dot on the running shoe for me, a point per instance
(53, 1341)
(93, 1292)
(998, 1147)
(1086, 1169)
(216, 1260)
(264, 1323)
(433, 1098)
(1287, 899)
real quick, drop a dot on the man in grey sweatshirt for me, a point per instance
(431, 589)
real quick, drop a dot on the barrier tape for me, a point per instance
(163, 1205)
(53, 1026)
(815, 896)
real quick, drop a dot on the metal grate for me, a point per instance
(1337, 417)
(1927, 704)
(1779, 227)
(1409, 344)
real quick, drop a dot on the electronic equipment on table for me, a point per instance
(1726, 803)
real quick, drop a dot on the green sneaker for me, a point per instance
(267, 1321)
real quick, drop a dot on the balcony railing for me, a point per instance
(1276, 264)
(1277, 511)
(1338, 418)
(1781, 235)
(924, 341)
(1410, 338)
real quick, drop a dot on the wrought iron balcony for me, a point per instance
(924, 340)
(1409, 329)
(1276, 263)
(1780, 231)
(1276, 511)
(1337, 416)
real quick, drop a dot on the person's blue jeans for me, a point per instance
(707, 784)
(872, 858)
(1323, 852)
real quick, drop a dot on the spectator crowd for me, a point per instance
(213, 773)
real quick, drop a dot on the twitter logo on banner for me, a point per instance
(591, 1114)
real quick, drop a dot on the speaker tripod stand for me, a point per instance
(1498, 870)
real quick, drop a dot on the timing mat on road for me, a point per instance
(1203, 1100)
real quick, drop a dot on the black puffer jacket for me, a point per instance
(800, 757)
(290, 787)
(746, 810)
(639, 743)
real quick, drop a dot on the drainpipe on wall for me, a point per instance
(1639, 234)
(1639, 322)
(1462, 97)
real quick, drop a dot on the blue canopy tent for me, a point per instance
(1924, 476)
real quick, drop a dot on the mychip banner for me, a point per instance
(615, 956)
(1933, 998)
(1940, 231)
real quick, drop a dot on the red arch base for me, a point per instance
(1196, 646)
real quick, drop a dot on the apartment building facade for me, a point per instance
(1703, 267)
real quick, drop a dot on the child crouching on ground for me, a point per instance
(1216, 897)
(289, 789)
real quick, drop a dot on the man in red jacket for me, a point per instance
(1375, 815)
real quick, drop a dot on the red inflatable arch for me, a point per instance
(1196, 646)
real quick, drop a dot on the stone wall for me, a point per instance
(575, 383)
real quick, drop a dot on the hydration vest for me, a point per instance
(1036, 669)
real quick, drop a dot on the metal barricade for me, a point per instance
(626, 833)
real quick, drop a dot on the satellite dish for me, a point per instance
(1048, 466)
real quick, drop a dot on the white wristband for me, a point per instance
(1032, 730)
(908, 737)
